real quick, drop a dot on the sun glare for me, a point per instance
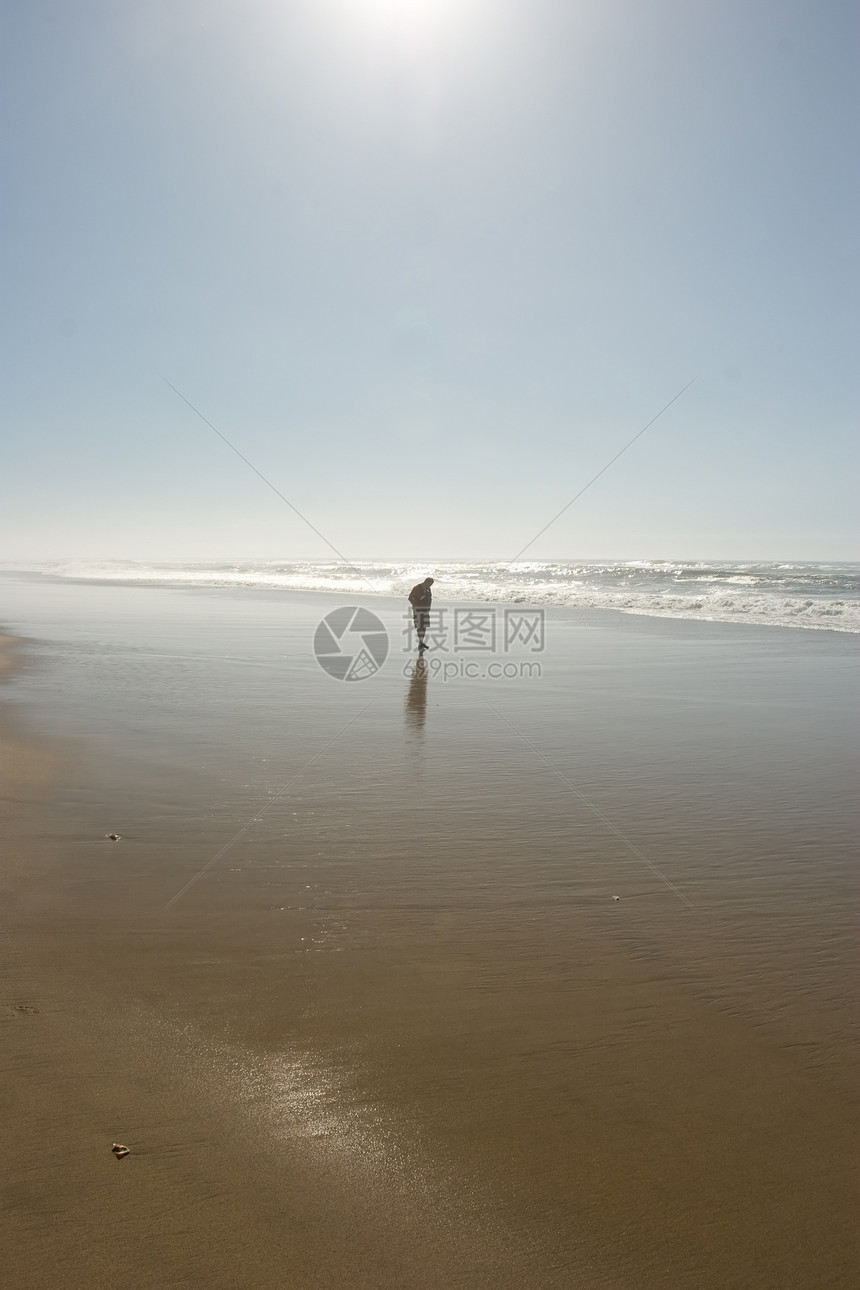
(397, 9)
(407, 14)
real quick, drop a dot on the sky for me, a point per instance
(428, 265)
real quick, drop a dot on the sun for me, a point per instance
(406, 14)
(397, 8)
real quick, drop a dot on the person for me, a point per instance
(420, 598)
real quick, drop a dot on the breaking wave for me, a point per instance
(821, 596)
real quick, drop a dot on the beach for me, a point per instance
(541, 979)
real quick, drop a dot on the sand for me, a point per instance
(401, 1033)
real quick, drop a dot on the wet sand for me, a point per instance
(401, 1033)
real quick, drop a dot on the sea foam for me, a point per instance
(779, 594)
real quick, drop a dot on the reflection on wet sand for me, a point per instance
(416, 698)
(436, 1052)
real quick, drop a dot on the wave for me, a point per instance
(817, 596)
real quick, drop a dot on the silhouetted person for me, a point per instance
(420, 598)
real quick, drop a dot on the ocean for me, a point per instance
(818, 596)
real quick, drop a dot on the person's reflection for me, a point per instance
(416, 698)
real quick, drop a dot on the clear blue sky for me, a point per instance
(429, 264)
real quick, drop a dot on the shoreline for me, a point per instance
(12, 655)
(28, 763)
(460, 598)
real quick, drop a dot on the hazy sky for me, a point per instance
(429, 264)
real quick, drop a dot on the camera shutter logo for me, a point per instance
(351, 643)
